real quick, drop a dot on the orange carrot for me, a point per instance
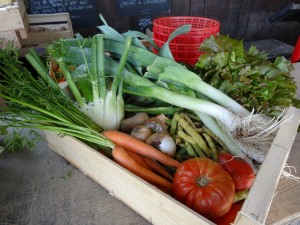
(62, 80)
(123, 158)
(132, 144)
(139, 159)
(158, 168)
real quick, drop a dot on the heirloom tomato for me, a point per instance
(241, 172)
(230, 216)
(204, 186)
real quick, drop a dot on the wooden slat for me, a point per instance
(223, 15)
(49, 18)
(197, 7)
(233, 17)
(256, 20)
(181, 7)
(6, 2)
(11, 16)
(210, 9)
(45, 32)
(244, 17)
(257, 204)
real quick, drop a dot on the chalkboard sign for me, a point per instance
(145, 22)
(83, 13)
(142, 7)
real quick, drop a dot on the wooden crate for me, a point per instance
(11, 36)
(160, 208)
(13, 18)
(6, 2)
(45, 28)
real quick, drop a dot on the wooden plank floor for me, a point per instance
(41, 187)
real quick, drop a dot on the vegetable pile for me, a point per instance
(184, 130)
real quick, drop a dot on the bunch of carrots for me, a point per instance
(142, 159)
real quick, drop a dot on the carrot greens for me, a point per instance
(33, 103)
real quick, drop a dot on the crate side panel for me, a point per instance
(43, 28)
(36, 38)
(156, 206)
(257, 204)
(12, 17)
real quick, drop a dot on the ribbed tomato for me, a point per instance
(241, 172)
(204, 186)
(230, 216)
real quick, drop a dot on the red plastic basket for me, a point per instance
(182, 39)
(193, 48)
(185, 47)
(201, 28)
(188, 54)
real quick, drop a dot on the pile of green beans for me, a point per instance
(194, 139)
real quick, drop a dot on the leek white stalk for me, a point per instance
(189, 79)
(231, 145)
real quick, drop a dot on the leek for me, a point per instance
(243, 126)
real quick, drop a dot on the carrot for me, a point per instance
(121, 156)
(62, 80)
(139, 159)
(158, 168)
(132, 144)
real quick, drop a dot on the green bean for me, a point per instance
(199, 140)
(188, 120)
(215, 138)
(212, 146)
(190, 150)
(191, 141)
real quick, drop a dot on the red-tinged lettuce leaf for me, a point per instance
(247, 75)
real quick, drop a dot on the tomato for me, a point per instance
(241, 172)
(204, 186)
(230, 216)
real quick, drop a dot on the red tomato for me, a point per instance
(230, 216)
(204, 186)
(241, 172)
